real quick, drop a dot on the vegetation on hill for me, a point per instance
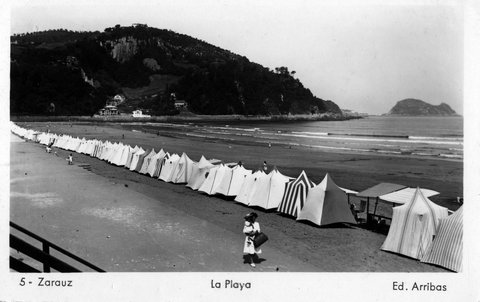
(66, 72)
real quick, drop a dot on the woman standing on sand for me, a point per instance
(250, 229)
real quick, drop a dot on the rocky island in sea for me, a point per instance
(414, 107)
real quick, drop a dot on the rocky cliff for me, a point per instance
(414, 107)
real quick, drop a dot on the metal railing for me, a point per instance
(43, 255)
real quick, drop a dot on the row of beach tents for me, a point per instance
(414, 225)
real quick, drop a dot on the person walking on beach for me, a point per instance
(250, 229)
(70, 159)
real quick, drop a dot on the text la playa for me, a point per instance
(230, 284)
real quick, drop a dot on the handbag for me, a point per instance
(259, 239)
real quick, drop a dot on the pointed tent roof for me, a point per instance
(295, 195)
(446, 249)
(167, 167)
(413, 226)
(270, 189)
(183, 169)
(232, 180)
(326, 203)
(199, 173)
(141, 159)
(135, 158)
(146, 161)
(156, 164)
(248, 187)
(210, 184)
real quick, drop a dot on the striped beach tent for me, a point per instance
(249, 185)
(295, 194)
(269, 190)
(326, 203)
(413, 226)
(446, 248)
(146, 162)
(156, 162)
(199, 173)
(183, 170)
(118, 154)
(214, 177)
(232, 180)
(168, 166)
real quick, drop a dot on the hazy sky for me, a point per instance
(362, 57)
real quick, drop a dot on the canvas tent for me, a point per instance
(413, 226)
(135, 158)
(295, 195)
(168, 166)
(155, 165)
(130, 154)
(146, 162)
(326, 203)
(213, 179)
(269, 190)
(446, 250)
(141, 158)
(183, 170)
(248, 187)
(232, 180)
(199, 173)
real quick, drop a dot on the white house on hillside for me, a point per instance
(138, 113)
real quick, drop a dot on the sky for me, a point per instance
(364, 57)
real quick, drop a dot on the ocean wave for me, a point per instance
(373, 139)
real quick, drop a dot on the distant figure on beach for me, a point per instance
(269, 145)
(250, 229)
(123, 136)
(48, 149)
(265, 167)
(70, 159)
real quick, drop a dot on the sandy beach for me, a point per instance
(306, 248)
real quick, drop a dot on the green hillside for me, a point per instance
(65, 72)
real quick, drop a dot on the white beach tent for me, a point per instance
(156, 163)
(446, 250)
(183, 170)
(168, 166)
(326, 203)
(214, 177)
(127, 150)
(135, 158)
(121, 151)
(295, 195)
(248, 187)
(130, 156)
(405, 195)
(140, 160)
(199, 173)
(146, 162)
(232, 180)
(269, 190)
(413, 226)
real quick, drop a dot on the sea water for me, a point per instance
(437, 137)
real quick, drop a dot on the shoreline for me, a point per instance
(183, 118)
(356, 171)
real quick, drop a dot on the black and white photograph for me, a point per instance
(267, 150)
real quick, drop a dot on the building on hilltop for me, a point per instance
(109, 110)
